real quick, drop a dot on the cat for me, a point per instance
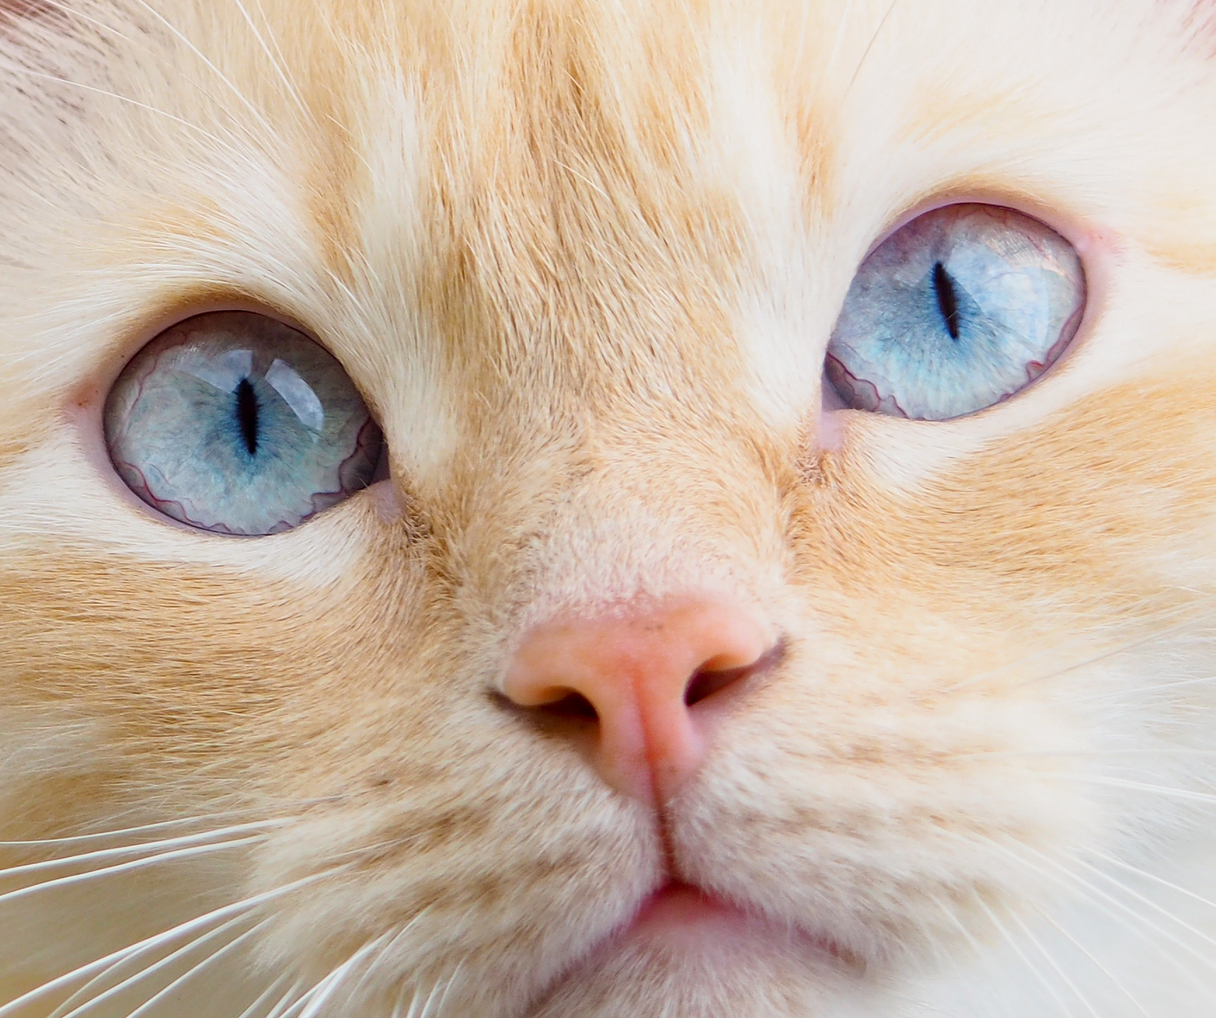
(585, 509)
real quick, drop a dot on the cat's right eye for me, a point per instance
(236, 423)
(954, 312)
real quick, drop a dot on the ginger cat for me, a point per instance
(587, 509)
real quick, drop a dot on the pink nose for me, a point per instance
(648, 672)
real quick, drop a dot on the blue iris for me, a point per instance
(955, 311)
(237, 423)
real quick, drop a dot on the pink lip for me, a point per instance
(679, 906)
(681, 915)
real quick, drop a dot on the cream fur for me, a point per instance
(583, 258)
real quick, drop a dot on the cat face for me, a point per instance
(654, 672)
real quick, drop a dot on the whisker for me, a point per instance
(280, 1009)
(1145, 874)
(430, 999)
(840, 33)
(275, 61)
(159, 939)
(126, 867)
(448, 984)
(1055, 965)
(1147, 690)
(140, 847)
(1097, 964)
(1182, 794)
(84, 1006)
(262, 997)
(335, 978)
(389, 942)
(1042, 979)
(143, 828)
(1082, 754)
(195, 970)
(1151, 904)
(1073, 881)
(81, 998)
(80, 1001)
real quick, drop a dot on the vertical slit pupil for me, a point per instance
(247, 414)
(947, 300)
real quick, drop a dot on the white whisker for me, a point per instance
(1160, 881)
(1195, 931)
(80, 1001)
(1082, 754)
(139, 848)
(157, 940)
(426, 1004)
(1098, 965)
(285, 1002)
(1056, 967)
(1053, 652)
(1075, 882)
(1042, 979)
(195, 970)
(144, 828)
(321, 993)
(1146, 690)
(84, 997)
(841, 29)
(447, 986)
(127, 867)
(1183, 794)
(262, 997)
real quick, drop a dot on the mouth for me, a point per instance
(684, 918)
(689, 947)
(681, 911)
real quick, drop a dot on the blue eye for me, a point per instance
(955, 311)
(236, 423)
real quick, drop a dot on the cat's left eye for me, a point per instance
(954, 312)
(237, 423)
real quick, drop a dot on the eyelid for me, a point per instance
(1055, 214)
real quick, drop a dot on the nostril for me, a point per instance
(572, 705)
(705, 682)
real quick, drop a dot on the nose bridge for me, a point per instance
(597, 507)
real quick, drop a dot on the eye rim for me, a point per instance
(1096, 248)
(85, 407)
